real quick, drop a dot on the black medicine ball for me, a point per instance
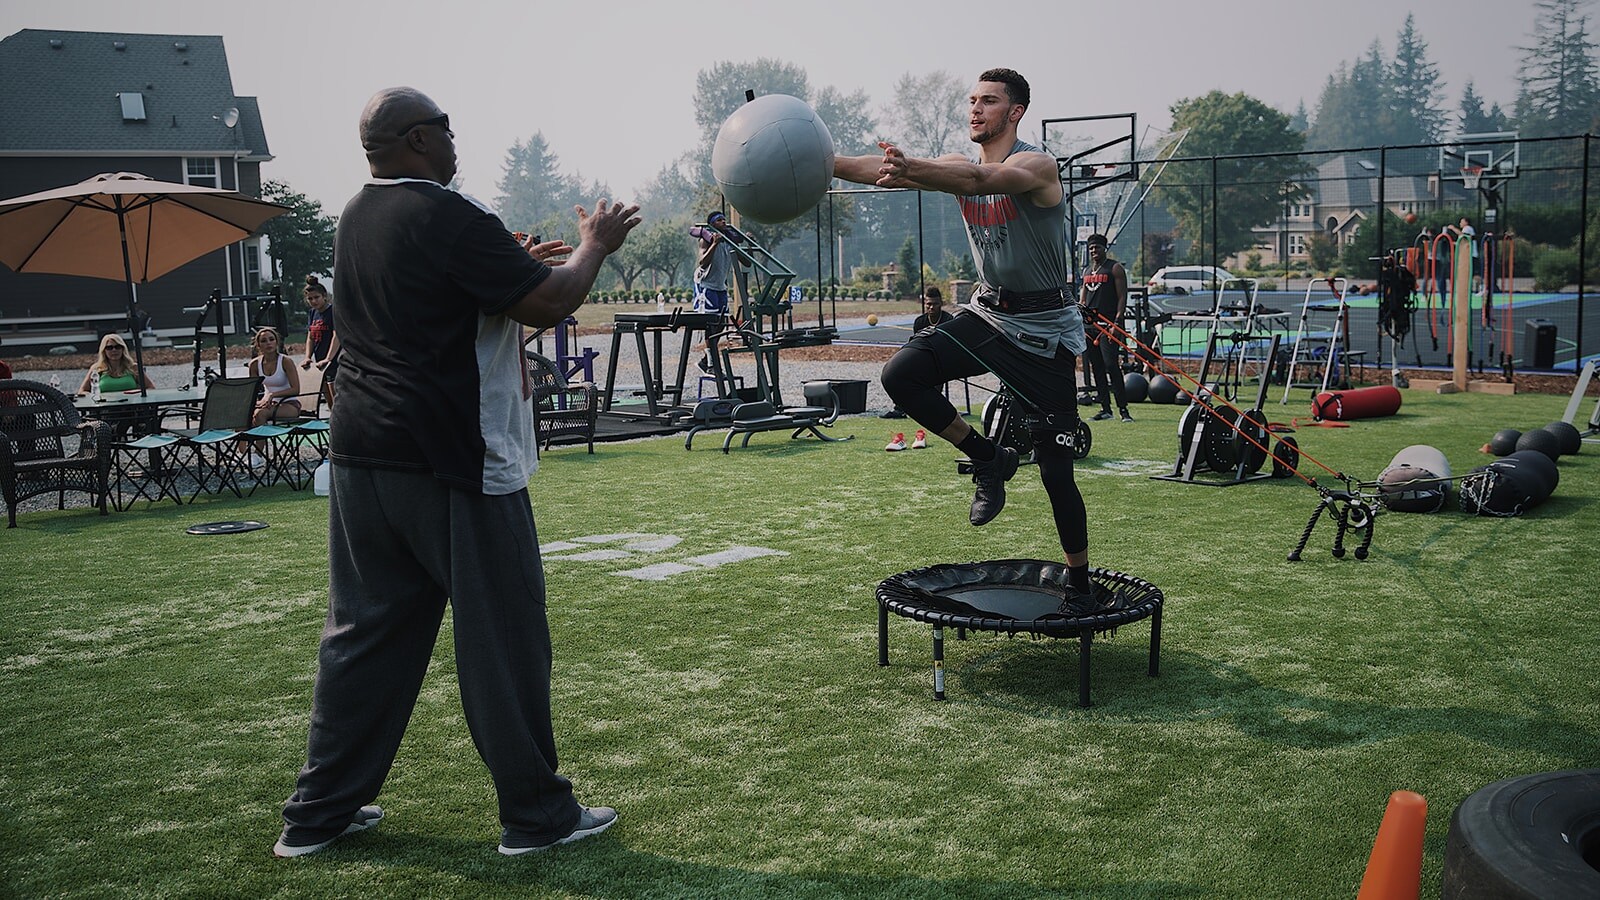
(1504, 441)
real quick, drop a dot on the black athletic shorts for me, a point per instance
(968, 345)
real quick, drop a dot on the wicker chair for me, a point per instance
(45, 446)
(561, 410)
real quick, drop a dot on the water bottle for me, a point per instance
(94, 387)
(55, 382)
(319, 479)
(661, 302)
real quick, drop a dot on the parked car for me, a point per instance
(1188, 279)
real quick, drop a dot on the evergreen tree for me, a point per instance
(535, 196)
(1474, 120)
(1300, 120)
(1560, 92)
(908, 282)
(1414, 82)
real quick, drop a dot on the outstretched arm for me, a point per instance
(1031, 174)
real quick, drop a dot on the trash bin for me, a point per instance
(852, 396)
(1539, 344)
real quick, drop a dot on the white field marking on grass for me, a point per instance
(663, 571)
(1126, 467)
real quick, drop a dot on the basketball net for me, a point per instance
(1470, 176)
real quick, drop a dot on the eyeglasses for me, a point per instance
(442, 121)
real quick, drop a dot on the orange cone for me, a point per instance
(1394, 871)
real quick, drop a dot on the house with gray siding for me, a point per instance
(74, 104)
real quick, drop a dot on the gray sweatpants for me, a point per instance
(399, 545)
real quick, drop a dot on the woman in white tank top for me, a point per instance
(280, 385)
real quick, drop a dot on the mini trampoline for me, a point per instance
(1014, 596)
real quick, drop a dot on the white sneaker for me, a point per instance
(256, 461)
(920, 442)
(898, 442)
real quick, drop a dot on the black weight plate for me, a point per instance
(1218, 442)
(225, 527)
(1286, 455)
(1251, 425)
(1082, 440)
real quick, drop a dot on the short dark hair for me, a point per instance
(715, 214)
(1098, 238)
(932, 293)
(1016, 85)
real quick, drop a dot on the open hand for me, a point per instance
(609, 224)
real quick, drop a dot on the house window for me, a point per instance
(200, 171)
(252, 266)
(1297, 245)
(1299, 210)
(132, 106)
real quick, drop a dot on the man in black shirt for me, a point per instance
(1104, 296)
(432, 444)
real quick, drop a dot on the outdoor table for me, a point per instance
(130, 406)
(129, 401)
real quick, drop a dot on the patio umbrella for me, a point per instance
(127, 227)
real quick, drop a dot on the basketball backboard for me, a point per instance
(1091, 151)
(1481, 160)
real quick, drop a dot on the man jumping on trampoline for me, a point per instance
(1020, 324)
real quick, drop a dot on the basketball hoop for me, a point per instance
(1470, 176)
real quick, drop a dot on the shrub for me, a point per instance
(1555, 268)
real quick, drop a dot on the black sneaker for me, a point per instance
(1125, 417)
(1102, 415)
(705, 365)
(1078, 603)
(991, 478)
(893, 414)
(591, 821)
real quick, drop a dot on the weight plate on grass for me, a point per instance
(225, 527)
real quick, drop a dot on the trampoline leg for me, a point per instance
(1155, 643)
(1085, 640)
(938, 663)
(883, 634)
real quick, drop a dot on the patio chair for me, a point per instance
(46, 446)
(560, 409)
(215, 451)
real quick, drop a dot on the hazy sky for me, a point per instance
(611, 85)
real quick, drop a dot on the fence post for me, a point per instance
(1583, 251)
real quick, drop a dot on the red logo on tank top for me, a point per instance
(1096, 279)
(987, 212)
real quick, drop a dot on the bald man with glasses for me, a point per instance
(432, 446)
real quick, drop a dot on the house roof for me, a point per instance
(59, 94)
(1350, 180)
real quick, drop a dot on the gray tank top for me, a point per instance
(1022, 247)
(712, 271)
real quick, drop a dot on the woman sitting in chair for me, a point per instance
(115, 369)
(118, 373)
(280, 380)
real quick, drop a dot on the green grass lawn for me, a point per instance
(157, 684)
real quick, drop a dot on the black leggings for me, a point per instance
(965, 346)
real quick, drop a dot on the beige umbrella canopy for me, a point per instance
(124, 226)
